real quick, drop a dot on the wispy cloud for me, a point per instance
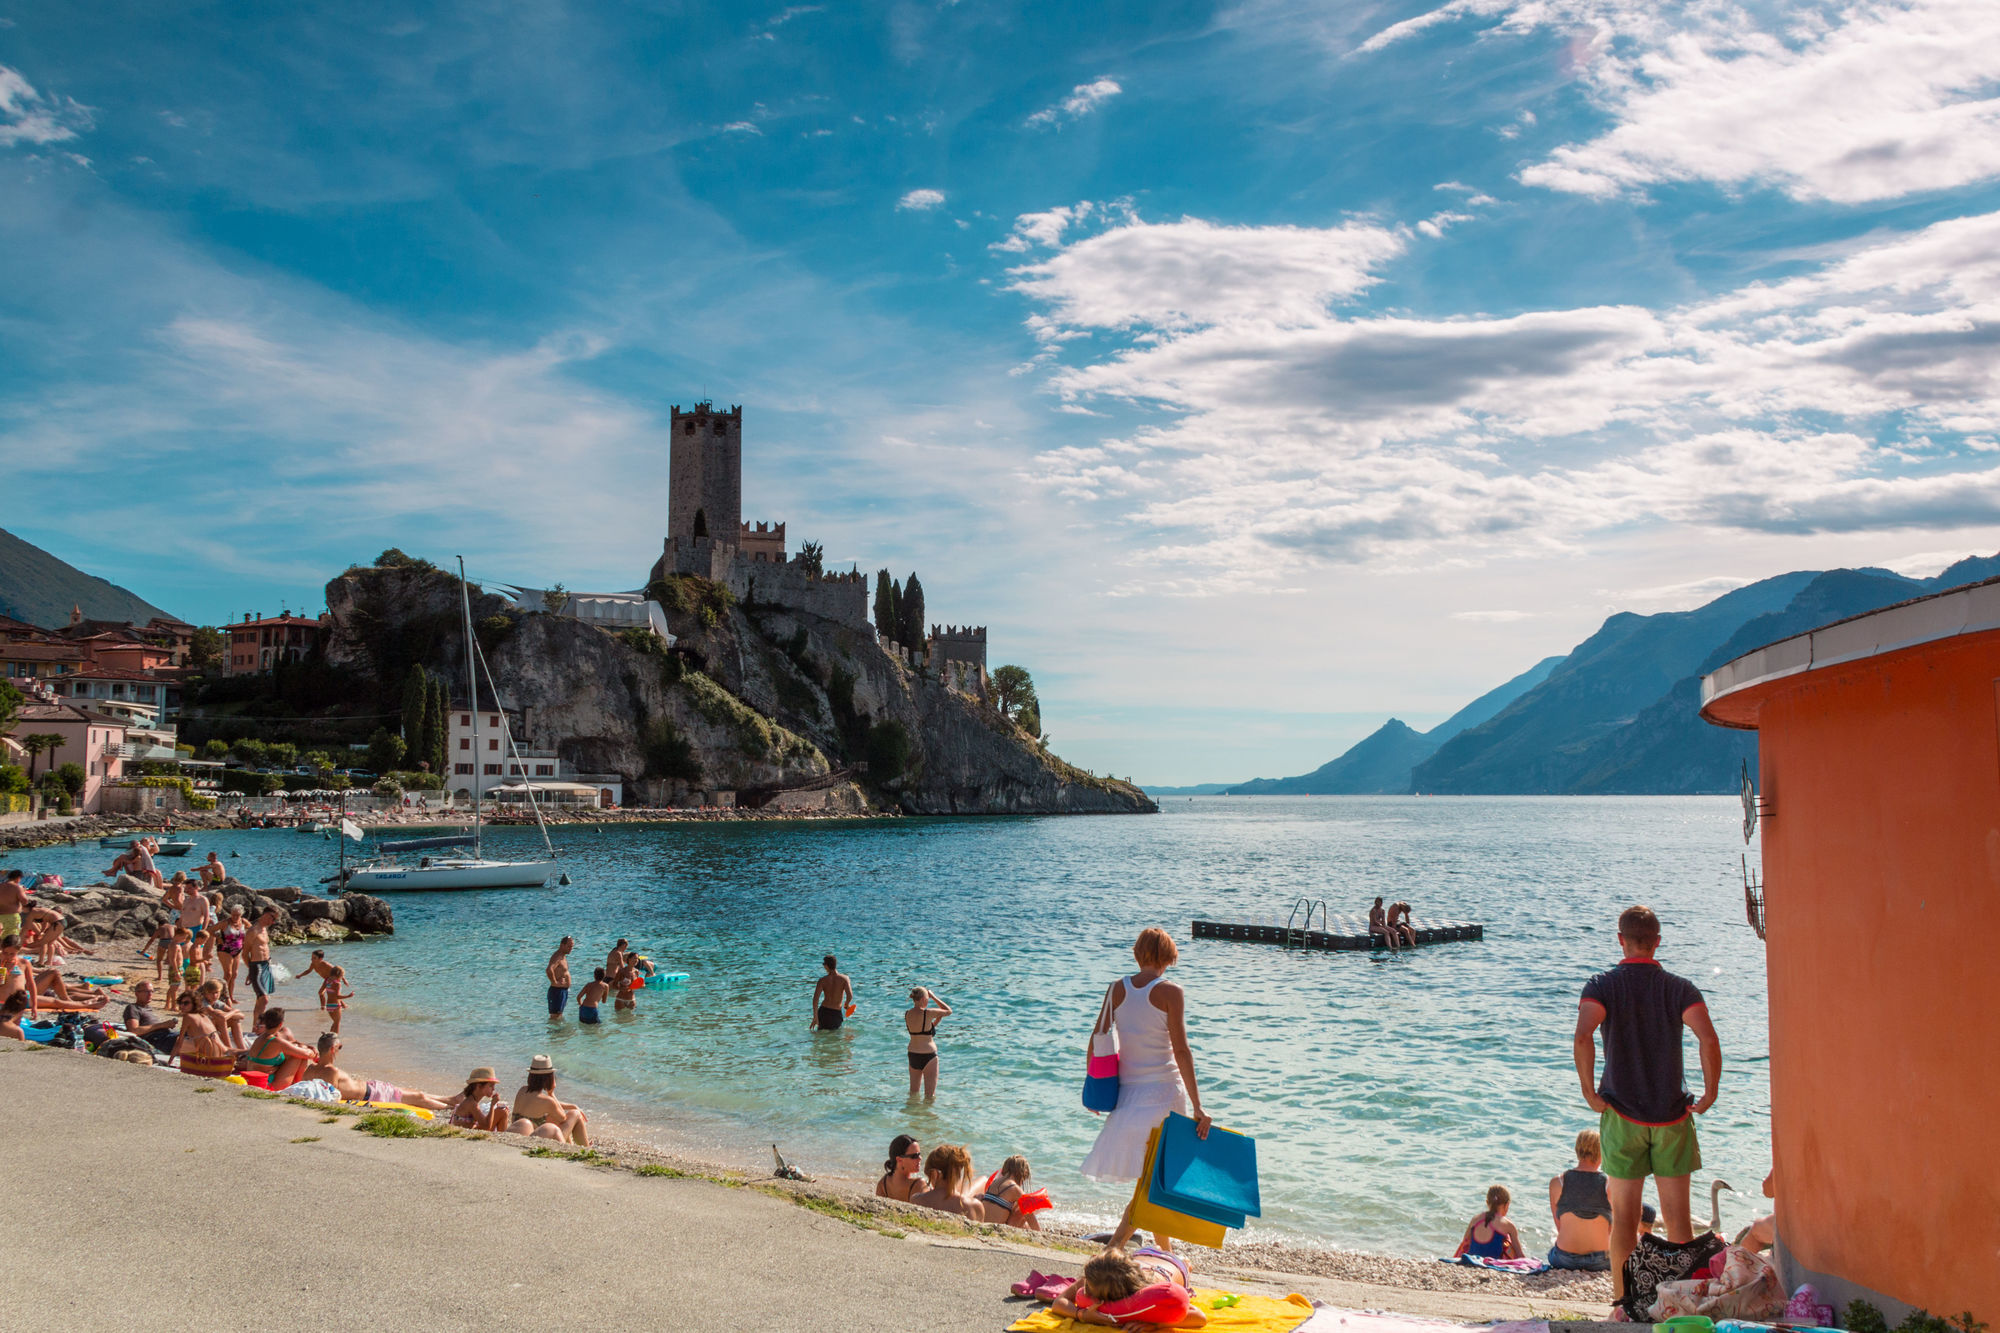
(29, 117)
(741, 127)
(920, 201)
(1082, 100)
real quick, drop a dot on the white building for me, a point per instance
(608, 610)
(484, 764)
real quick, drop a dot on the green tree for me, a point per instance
(885, 605)
(206, 650)
(910, 614)
(38, 743)
(437, 730)
(1013, 691)
(812, 556)
(282, 754)
(320, 762)
(1030, 719)
(668, 754)
(388, 789)
(889, 751)
(71, 776)
(385, 751)
(13, 780)
(215, 749)
(555, 599)
(416, 703)
(11, 700)
(252, 752)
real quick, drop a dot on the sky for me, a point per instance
(1254, 372)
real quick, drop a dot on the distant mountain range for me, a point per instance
(1618, 713)
(40, 589)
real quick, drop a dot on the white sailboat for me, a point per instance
(387, 873)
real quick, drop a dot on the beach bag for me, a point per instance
(1100, 1082)
(1656, 1260)
(1748, 1288)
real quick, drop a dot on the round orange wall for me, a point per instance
(1882, 866)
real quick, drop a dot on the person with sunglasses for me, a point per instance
(902, 1174)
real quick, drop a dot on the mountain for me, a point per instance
(40, 589)
(1198, 789)
(1381, 763)
(1620, 715)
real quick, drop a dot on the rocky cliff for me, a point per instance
(754, 699)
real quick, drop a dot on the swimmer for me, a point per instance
(593, 995)
(1150, 1286)
(831, 994)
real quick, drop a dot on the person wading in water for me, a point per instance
(831, 995)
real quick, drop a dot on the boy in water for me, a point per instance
(1645, 1115)
(593, 995)
(830, 996)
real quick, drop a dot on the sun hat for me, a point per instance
(541, 1064)
(483, 1074)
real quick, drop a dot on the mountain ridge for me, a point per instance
(40, 588)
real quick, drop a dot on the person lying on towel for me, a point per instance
(1148, 1287)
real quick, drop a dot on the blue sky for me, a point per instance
(1255, 372)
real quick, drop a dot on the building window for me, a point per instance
(463, 768)
(465, 742)
(465, 719)
(514, 770)
(493, 770)
(545, 770)
(493, 721)
(493, 743)
(146, 691)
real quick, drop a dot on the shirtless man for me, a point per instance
(137, 862)
(1378, 926)
(352, 1089)
(17, 906)
(1399, 924)
(211, 871)
(614, 962)
(558, 974)
(45, 989)
(257, 959)
(830, 996)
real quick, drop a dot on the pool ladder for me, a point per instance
(1298, 937)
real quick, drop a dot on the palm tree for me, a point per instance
(37, 743)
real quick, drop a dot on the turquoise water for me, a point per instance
(1386, 1093)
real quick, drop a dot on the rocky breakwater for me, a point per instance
(131, 910)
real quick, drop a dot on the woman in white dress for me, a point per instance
(1155, 1067)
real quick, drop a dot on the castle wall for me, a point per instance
(837, 597)
(705, 466)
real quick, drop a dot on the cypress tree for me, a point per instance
(437, 729)
(885, 606)
(911, 613)
(416, 712)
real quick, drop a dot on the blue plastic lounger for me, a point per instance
(1217, 1173)
(1195, 1208)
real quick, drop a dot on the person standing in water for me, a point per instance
(1155, 1067)
(558, 974)
(831, 995)
(926, 1011)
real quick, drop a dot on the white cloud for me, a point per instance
(921, 201)
(1082, 100)
(741, 127)
(1829, 402)
(1193, 273)
(27, 117)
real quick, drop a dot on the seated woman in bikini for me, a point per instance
(1001, 1199)
(902, 1175)
(275, 1053)
(201, 1049)
(539, 1114)
(479, 1106)
(1149, 1287)
(949, 1168)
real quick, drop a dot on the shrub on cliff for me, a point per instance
(889, 751)
(669, 754)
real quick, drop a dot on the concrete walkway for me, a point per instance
(137, 1196)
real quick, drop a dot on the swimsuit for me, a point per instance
(586, 1013)
(558, 997)
(270, 1064)
(10, 923)
(922, 1059)
(829, 1018)
(231, 942)
(377, 1091)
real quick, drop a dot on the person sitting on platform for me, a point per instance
(1378, 926)
(1399, 924)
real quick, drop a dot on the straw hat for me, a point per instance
(541, 1064)
(483, 1074)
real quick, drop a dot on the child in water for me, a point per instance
(332, 998)
(593, 995)
(1148, 1287)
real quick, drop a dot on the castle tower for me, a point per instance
(705, 486)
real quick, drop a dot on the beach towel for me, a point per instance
(314, 1090)
(1252, 1314)
(1148, 1216)
(1333, 1319)
(1217, 1174)
(1498, 1265)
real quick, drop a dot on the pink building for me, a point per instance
(92, 740)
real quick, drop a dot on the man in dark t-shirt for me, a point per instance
(144, 1021)
(1645, 1116)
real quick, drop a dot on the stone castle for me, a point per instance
(707, 536)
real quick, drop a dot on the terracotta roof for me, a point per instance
(274, 620)
(44, 652)
(158, 675)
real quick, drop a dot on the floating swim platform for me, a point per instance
(1339, 932)
(662, 980)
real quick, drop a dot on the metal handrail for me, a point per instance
(1308, 904)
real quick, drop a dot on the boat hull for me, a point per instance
(470, 875)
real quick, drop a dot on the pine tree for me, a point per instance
(910, 613)
(416, 712)
(885, 606)
(436, 727)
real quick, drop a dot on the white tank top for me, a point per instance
(1145, 1054)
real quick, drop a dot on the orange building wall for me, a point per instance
(1882, 867)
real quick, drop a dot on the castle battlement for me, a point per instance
(959, 633)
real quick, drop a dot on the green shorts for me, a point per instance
(1633, 1151)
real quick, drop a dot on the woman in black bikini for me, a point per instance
(926, 1011)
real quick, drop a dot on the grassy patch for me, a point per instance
(259, 1095)
(329, 1120)
(543, 1150)
(202, 1090)
(331, 1109)
(396, 1125)
(310, 1138)
(667, 1172)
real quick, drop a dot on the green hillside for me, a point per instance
(40, 589)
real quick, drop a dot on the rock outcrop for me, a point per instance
(131, 909)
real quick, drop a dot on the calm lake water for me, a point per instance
(1385, 1093)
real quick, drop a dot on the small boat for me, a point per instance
(176, 846)
(121, 841)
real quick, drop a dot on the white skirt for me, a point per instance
(1120, 1149)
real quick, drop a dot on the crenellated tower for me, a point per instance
(705, 486)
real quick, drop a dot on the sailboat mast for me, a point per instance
(472, 684)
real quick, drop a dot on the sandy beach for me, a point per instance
(978, 1261)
